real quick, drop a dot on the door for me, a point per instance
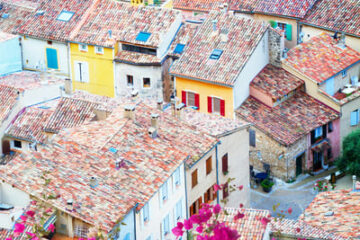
(317, 158)
(299, 164)
(52, 58)
(6, 147)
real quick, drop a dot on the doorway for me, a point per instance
(6, 147)
(299, 163)
(317, 160)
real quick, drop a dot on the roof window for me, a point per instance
(65, 16)
(179, 48)
(143, 36)
(216, 54)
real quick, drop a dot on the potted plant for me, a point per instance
(266, 185)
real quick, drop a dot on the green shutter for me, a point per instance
(273, 23)
(288, 32)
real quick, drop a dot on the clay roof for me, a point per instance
(77, 154)
(27, 80)
(304, 58)
(137, 58)
(116, 16)
(70, 113)
(243, 36)
(50, 25)
(104, 103)
(290, 120)
(276, 82)
(198, 5)
(29, 126)
(300, 229)
(183, 36)
(6, 36)
(344, 204)
(248, 227)
(342, 15)
(8, 98)
(14, 13)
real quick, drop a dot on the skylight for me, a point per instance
(216, 54)
(143, 36)
(179, 48)
(65, 16)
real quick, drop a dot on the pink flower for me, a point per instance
(217, 187)
(217, 209)
(264, 221)
(290, 210)
(19, 228)
(33, 202)
(241, 187)
(178, 232)
(188, 224)
(30, 213)
(241, 205)
(298, 230)
(92, 238)
(239, 216)
(23, 217)
(31, 234)
(8, 239)
(199, 229)
(51, 228)
(49, 210)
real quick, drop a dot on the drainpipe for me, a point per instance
(186, 197)
(217, 172)
(135, 220)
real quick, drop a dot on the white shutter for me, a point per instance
(85, 72)
(77, 71)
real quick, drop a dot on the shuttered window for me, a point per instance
(190, 99)
(354, 118)
(225, 163)
(208, 165)
(252, 136)
(177, 177)
(216, 105)
(178, 211)
(146, 214)
(81, 71)
(194, 178)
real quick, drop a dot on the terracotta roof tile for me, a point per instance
(198, 5)
(183, 36)
(305, 58)
(243, 35)
(276, 82)
(290, 120)
(342, 15)
(344, 204)
(136, 58)
(8, 98)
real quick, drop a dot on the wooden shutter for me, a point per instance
(273, 23)
(210, 104)
(208, 165)
(197, 101)
(206, 195)
(192, 212)
(288, 32)
(252, 136)
(194, 178)
(183, 97)
(222, 107)
(312, 136)
(225, 163)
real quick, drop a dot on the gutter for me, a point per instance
(218, 142)
(137, 64)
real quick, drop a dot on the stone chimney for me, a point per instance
(129, 112)
(276, 47)
(67, 86)
(159, 104)
(93, 182)
(155, 121)
(179, 109)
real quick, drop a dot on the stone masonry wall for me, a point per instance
(276, 46)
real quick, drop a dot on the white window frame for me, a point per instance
(83, 78)
(83, 50)
(97, 50)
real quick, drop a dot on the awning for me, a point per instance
(322, 146)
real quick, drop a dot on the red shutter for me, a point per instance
(225, 163)
(210, 104)
(197, 101)
(183, 97)
(222, 107)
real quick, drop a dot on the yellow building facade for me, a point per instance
(92, 69)
(206, 91)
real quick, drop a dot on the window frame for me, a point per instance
(187, 99)
(99, 52)
(330, 127)
(357, 116)
(177, 174)
(164, 189)
(252, 143)
(216, 54)
(87, 80)
(65, 12)
(83, 50)
(318, 130)
(17, 141)
(194, 181)
(213, 105)
(143, 83)
(146, 213)
(225, 156)
(127, 81)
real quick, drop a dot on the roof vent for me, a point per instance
(155, 121)
(5, 16)
(134, 93)
(40, 13)
(70, 204)
(93, 182)
(160, 104)
(214, 22)
(120, 163)
(179, 109)
(329, 214)
(152, 132)
(130, 112)
(110, 33)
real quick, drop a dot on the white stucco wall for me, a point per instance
(236, 145)
(41, 94)
(138, 73)
(159, 210)
(34, 55)
(257, 61)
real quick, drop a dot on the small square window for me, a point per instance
(65, 16)
(330, 127)
(318, 132)
(216, 54)
(194, 178)
(130, 80)
(17, 144)
(83, 47)
(99, 50)
(143, 36)
(49, 42)
(179, 48)
(146, 83)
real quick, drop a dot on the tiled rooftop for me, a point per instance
(250, 226)
(29, 126)
(336, 15)
(48, 26)
(300, 229)
(305, 58)
(136, 58)
(104, 103)
(8, 99)
(198, 5)
(70, 113)
(147, 162)
(290, 120)
(346, 208)
(16, 12)
(242, 38)
(27, 80)
(116, 16)
(183, 36)
(276, 82)
(6, 36)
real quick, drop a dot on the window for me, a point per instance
(194, 208)
(83, 47)
(344, 73)
(216, 54)
(65, 16)
(49, 42)
(132, 48)
(330, 127)
(178, 210)
(177, 177)
(191, 99)
(164, 192)
(17, 144)
(194, 178)
(354, 118)
(208, 165)
(130, 80)
(318, 132)
(166, 226)
(81, 231)
(146, 83)
(216, 105)
(179, 48)
(146, 213)
(225, 164)
(225, 190)
(330, 86)
(210, 195)
(99, 50)
(143, 36)
(81, 71)
(252, 135)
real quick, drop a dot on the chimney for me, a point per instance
(354, 182)
(93, 182)
(67, 86)
(155, 121)
(214, 22)
(173, 106)
(134, 95)
(341, 43)
(110, 34)
(225, 7)
(130, 112)
(179, 109)
(70, 204)
(160, 104)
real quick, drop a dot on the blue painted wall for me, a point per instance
(127, 232)
(10, 56)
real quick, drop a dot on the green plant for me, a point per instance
(267, 183)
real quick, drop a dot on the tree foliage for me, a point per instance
(349, 161)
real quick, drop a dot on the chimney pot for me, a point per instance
(179, 110)
(129, 112)
(93, 182)
(214, 22)
(155, 121)
(152, 132)
(354, 182)
(160, 104)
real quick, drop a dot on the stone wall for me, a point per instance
(276, 47)
(282, 159)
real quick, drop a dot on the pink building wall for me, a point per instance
(259, 95)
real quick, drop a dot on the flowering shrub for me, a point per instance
(323, 186)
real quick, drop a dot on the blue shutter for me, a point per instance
(288, 32)
(177, 176)
(127, 236)
(354, 118)
(166, 225)
(330, 86)
(164, 191)
(178, 210)
(146, 212)
(52, 59)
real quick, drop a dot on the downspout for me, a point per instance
(186, 197)
(135, 220)
(217, 171)
(21, 52)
